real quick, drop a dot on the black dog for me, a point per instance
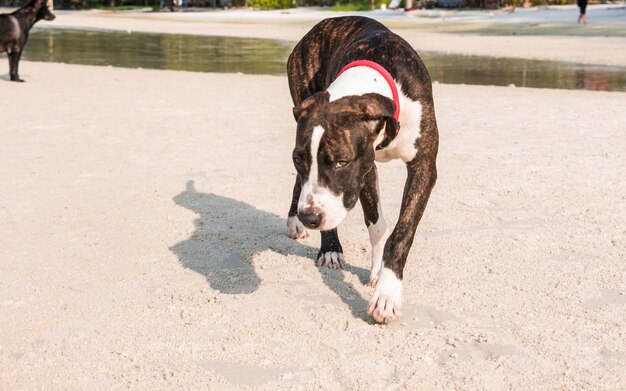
(14, 30)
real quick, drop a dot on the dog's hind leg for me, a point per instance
(376, 225)
(14, 60)
(296, 228)
(11, 66)
(331, 253)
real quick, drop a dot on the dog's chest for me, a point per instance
(403, 146)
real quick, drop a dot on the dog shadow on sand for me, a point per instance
(228, 233)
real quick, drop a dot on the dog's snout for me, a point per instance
(311, 219)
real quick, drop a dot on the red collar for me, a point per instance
(388, 78)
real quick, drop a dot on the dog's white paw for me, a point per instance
(386, 302)
(332, 260)
(297, 230)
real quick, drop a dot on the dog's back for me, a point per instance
(326, 49)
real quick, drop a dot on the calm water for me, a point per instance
(260, 56)
(159, 51)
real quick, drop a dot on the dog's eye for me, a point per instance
(341, 163)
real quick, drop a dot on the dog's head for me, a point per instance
(45, 10)
(334, 152)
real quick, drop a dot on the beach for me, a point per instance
(143, 238)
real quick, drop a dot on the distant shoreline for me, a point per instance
(464, 32)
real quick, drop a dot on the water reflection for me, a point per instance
(455, 69)
(159, 51)
(261, 56)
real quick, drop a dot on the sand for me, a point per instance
(143, 242)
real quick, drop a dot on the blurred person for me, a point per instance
(582, 4)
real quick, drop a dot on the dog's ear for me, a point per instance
(309, 104)
(297, 112)
(375, 106)
(376, 109)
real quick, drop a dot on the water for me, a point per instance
(159, 51)
(261, 56)
(456, 69)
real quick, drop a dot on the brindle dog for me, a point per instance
(14, 28)
(347, 77)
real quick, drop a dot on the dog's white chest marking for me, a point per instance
(403, 146)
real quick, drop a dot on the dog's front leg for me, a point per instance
(387, 299)
(14, 60)
(376, 225)
(331, 252)
(297, 230)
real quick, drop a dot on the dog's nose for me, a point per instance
(310, 219)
